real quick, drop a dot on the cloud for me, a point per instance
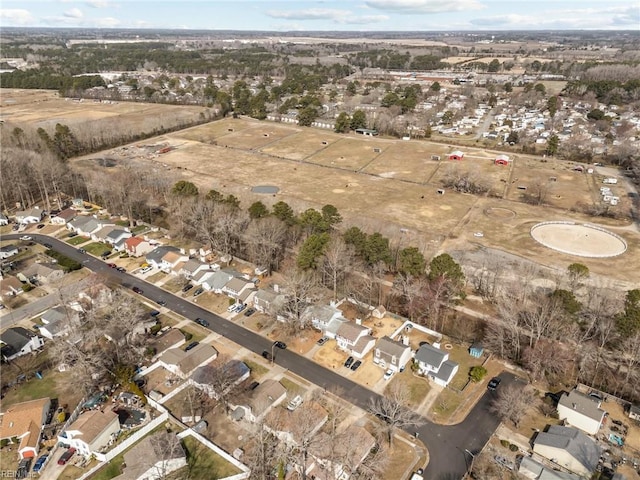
(16, 16)
(74, 13)
(310, 14)
(98, 3)
(107, 22)
(420, 7)
(363, 20)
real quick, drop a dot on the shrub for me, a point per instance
(187, 335)
(505, 443)
(27, 287)
(155, 329)
(477, 373)
(65, 262)
(513, 447)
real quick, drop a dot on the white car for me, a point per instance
(26, 238)
(233, 308)
(146, 269)
(478, 234)
(388, 374)
(295, 403)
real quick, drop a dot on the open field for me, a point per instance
(392, 189)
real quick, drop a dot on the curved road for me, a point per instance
(451, 448)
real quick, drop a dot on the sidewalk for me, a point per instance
(504, 433)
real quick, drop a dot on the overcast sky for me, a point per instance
(442, 15)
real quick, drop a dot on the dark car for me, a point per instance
(154, 313)
(493, 383)
(40, 226)
(23, 468)
(48, 245)
(64, 458)
(280, 344)
(198, 292)
(82, 250)
(356, 365)
(191, 345)
(249, 312)
(137, 290)
(322, 341)
(121, 269)
(253, 385)
(187, 287)
(348, 362)
(202, 321)
(40, 463)
(15, 227)
(72, 234)
(266, 355)
(161, 302)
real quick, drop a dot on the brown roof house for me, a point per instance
(24, 421)
(10, 287)
(170, 339)
(391, 354)
(267, 395)
(183, 363)
(41, 273)
(92, 431)
(155, 456)
(355, 339)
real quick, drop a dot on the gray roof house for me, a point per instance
(41, 272)
(569, 448)
(155, 456)
(268, 301)
(391, 354)
(7, 251)
(235, 287)
(154, 257)
(581, 411)
(18, 341)
(326, 318)
(208, 377)
(355, 339)
(268, 394)
(33, 215)
(530, 468)
(435, 364)
(183, 363)
(57, 321)
(217, 281)
(116, 237)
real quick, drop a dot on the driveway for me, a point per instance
(446, 444)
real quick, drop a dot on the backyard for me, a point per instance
(203, 463)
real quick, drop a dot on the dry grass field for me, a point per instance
(393, 188)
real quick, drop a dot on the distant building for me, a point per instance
(456, 155)
(366, 132)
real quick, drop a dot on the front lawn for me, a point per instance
(257, 370)
(77, 240)
(204, 463)
(97, 248)
(418, 387)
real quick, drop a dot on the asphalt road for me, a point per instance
(448, 446)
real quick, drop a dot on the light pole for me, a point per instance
(473, 457)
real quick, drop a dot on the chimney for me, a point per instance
(358, 321)
(575, 406)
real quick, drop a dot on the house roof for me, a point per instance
(9, 283)
(232, 371)
(80, 221)
(320, 313)
(54, 314)
(300, 423)
(351, 331)
(430, 355)
(192, 265)
(218, 280)
(104, 231)
(39, 270)
(92, 423)
(21, 417)
(357, 443)
(583, 404)
(133, 242)
(237, 284)
(171, 257)
(362, 344)
(446, 370)
(16, 337)
(532, 469)
(188, 361)
(391, 348)
(265, 395)
(116, 233)
(574, 442)
(157, 253)
(8, 248)
(159, 447)
(67, 214)
(168, 340)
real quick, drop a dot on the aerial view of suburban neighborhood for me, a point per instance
(320, 240)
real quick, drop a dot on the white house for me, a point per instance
(569, 448)
(435, 364)
(171, 262)
(270, 393)
(182, 363)
(30, 216)
(236, 287)
(355, 339)
(534, 470)
(7, 251)
(326, 318)
(3, 220)
(155, 456)
(268, 301)
(91, 432)
(137, 246)
(217, 281)
(57, 321)
(155, 256)
(581, 411)
(64, 217)
(18, 341)
(391, 354)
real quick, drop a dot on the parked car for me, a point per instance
(162, 302)
(493, 383)
(64, 458)
(48, 245)
(322, 341)
(356, 365)
(40, 463)
(198, 292)
(121, 269)
(280, 345)
(388, 374)
(294, 403)
(23, 468)
(154, 313)
(112, 265)
(187, 287)
(26, 238)
(137, 290)
(191, 346)
(72, 234)
(266, 355)
(249, 312)
(232, 308)
(241, 307)
(253, 385)
(15, 227)
(348, 362)
(41, 225)
(146, 269)
(202, 321)
(105, 255)
(82, 250)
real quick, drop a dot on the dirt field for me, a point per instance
(391, 189)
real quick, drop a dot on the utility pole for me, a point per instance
(473, 457)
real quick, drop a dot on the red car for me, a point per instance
(64, 458)
(111, 265)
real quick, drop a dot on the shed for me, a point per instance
(476, 350)
(456, 155)
(502, 160)
(634, 412)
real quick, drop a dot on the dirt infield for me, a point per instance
(580, 240)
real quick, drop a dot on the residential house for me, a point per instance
(4, 220)
(581, 411)
(57, 321)
(355, 339)
(64, 217)
(238, 288)
(530, 468)
(356, 445)
(10, 287)
(137, 246)
(208, 377)
(100, 235)
(155, 456)
(216, 282)
(569, 448)
(154, 257)
(116, 238)
(7, 251)
(172, 262)
(23, 422)
(203, 275)
(183, 363)
(270, 393)
(391, 354)
(87, 226)
(33, 215)
(298, 426)
(92, 431)
(173, 338)
(268, 301)
(326, 318)
(18, 341)
(192, 267)
(435, 364)
(41, 273)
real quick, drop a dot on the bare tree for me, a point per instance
(265, 241)
(393, 412)
(301, 289)
(338, 259)
(512, 402)
(262, 454)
